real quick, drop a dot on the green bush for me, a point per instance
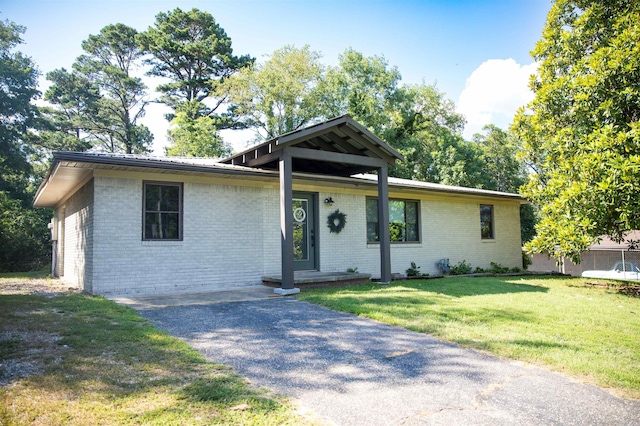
(460, 268)
(497, 268)
(414, 271)
(24, 237)
(526, 260)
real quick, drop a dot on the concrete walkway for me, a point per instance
(238, 294)
(353, 371)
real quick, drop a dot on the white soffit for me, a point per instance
(60, 183)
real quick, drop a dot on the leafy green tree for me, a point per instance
(505, 171)
(24, 238)
(502, 168)
(425, 128)
(293, 89)
(108, 63)
(581, 133)
(364, 87)
(74, 101)
(194, 53)
(23, 231)
(454, 161)
(18, 88)
(281, 95)
(528, 221)
(195, 137)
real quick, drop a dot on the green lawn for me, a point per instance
(31, 274)
(86, 360)
(589, 333)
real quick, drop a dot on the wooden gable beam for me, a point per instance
(367, 144)
(263, 159)
(326, 146)
(374, 139)
(334, 157)
(344, 144)
(308, 133)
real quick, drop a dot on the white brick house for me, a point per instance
(136, 224)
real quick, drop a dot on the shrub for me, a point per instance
(24, 237)
(460, 268)
(497, 268)
(526, 260)
(414, 271)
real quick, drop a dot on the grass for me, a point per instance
(86, 360)
(31, 274)
(589, 333)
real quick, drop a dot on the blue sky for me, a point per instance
(477, 52)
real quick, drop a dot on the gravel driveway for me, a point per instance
(348, 370)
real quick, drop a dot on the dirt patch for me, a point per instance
(39, 286)
(27, 352)
(632, 290)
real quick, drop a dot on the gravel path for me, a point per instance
(353, 371)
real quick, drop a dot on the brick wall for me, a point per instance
(75, 248)
(222, 242)
(231, 235)
(449, 229)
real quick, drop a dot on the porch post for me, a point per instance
(286, 224)
(383, 222)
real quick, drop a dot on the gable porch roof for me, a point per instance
(337, 147)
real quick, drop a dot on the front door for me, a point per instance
(304, 231)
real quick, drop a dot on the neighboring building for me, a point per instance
(129, 224)
(600, 256)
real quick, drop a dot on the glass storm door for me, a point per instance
(304, 232)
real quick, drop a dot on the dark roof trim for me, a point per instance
(146, 162)
(181, 165)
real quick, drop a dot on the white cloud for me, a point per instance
(493, 93)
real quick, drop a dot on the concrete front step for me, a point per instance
(313, 279)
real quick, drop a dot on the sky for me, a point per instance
(475, 51)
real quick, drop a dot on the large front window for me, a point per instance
(162, 211)
(403, 221)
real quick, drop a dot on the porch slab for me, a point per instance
(315, 279)
(224, 295)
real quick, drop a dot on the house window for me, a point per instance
(162, 211)
(486, 222)
(403, 221)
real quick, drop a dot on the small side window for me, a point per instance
(486, 222)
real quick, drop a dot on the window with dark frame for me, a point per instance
(486, 222)
(162, 211)
(403, 221)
